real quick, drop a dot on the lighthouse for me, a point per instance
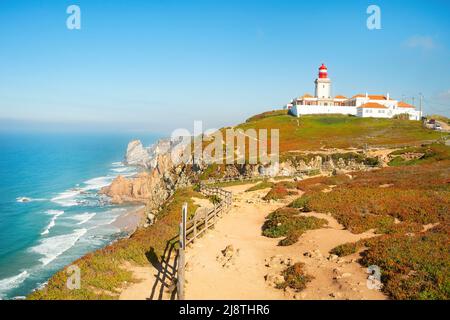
(323, 87)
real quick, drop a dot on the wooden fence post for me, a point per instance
(215, 212)
(181, 256)
(195, 228)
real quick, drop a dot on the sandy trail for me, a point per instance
(207, 278)
(155, 282)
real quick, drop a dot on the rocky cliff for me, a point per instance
(162, 176)
(137, 155)
(151, 187)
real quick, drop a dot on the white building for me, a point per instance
(360, 105)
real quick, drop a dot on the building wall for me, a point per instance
(374, 113)
(413, 114)
(298, 110)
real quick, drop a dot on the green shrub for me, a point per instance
(346, 249)
(286, 222)
(371, 162)
(301, 203)
(215, 199)
(295, 277)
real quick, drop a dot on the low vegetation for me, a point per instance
(408, 205)
(295, 277)
(423, 154)
(260, 186)
(281, 190)
(414, 265)
(101, 270)
(288, 223)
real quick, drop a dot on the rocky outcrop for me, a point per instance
(151, 188)
(137, 155)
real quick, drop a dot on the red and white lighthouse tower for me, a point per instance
(323, 86)
(323, 72)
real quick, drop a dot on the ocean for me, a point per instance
(50, 210)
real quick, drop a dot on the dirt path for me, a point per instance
(208, 277)
(154, 282)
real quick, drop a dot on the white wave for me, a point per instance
(98, 183)
(111, 221)
(67, 198)
(117, 164)
(83, 217)
(12, 282)
(121, 169)
(55, 214)
(53, 247)
(26, 199)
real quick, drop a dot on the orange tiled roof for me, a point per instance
(340, 97)
(377, 97)
(402, 104)
(373, 105)
(306, 95)
(371, 96)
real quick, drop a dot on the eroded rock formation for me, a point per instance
(137, 155)
(151, 188)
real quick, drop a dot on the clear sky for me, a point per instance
(157, 65)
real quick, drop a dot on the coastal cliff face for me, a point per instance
(137, 155)
(149, 187)
(161, 177)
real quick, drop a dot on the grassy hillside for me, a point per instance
(313, 132)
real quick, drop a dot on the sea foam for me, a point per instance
(12, 282)
(83, 217)
(51, 248)
(55, 214)
(67, 198)
(98, 183)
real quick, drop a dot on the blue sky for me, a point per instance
(158, 65)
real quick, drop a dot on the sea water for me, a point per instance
(50, 210)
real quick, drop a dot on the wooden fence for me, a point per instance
(191, 229)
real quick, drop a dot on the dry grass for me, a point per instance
(280, 191)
